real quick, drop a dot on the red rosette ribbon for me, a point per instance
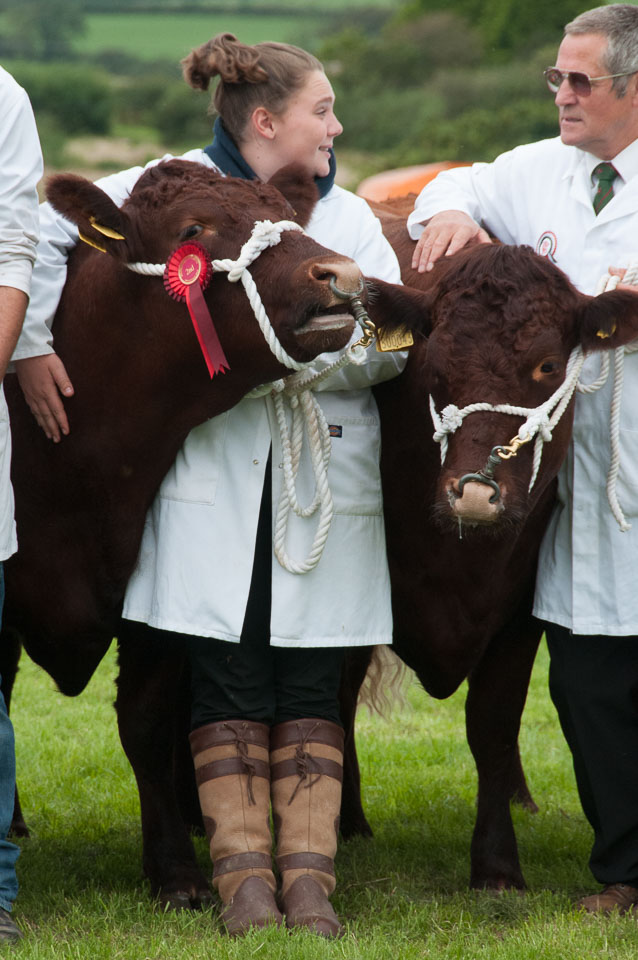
(187, 274)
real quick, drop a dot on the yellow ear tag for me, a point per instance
(91, 243)
(605, 336)
(399, 339)
(105, 231)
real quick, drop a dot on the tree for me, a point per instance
(40, 29)
(507, 27)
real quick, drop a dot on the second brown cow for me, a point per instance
(462, 547)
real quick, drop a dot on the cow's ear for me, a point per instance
(393, 307)
(100, 222)
(608, 321)
(299, 189)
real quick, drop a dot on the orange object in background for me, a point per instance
(403, 180)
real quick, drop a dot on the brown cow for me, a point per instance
(141, 386)
(503, 323)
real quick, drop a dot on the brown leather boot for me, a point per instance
(233, 779)
(615, 896)
(306, 771)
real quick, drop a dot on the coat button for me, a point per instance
(256, 462)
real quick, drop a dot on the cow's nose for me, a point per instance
(472, 504)
(342, 274)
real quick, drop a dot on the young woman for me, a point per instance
(266, 645)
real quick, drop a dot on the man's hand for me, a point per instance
(43, 379)
(444, 234)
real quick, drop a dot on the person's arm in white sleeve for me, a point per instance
(459, 207)
(21, 166)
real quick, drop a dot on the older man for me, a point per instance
(20, 170)
(575, 200)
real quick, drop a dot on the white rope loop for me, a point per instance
(541, 420)
(307, 416)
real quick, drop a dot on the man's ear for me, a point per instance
(632, 90)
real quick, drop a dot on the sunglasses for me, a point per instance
(579, 82)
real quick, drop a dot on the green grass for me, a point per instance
(403, 894)
(155, 36)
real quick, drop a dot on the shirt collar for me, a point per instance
(625, 162)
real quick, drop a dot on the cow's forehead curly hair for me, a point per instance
(509, 292)
(173, 181)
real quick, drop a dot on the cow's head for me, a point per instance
(178, 201)
(502, 323)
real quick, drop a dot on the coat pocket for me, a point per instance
(194, 476)
(353, 473)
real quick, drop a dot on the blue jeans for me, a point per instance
(8, 851)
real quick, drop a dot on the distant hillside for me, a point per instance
(274, 7)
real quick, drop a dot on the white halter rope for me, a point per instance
(307, 415)
(541, 420)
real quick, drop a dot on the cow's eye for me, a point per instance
(192, 230)
(546, 368)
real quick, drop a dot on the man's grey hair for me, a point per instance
(618, 22)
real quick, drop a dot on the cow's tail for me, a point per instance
(383, 687)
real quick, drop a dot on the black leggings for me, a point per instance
(251, 680)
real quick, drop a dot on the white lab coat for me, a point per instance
(20, 171)
(195, 562)
(541, 194)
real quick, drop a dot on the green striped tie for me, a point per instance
(606, 174)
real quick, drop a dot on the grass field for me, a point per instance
(403, 894)
(153, 36)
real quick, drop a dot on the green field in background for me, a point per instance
(153, 36)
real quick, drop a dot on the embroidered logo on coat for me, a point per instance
(335, 430)
(547, 244)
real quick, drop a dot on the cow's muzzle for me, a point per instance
(478, 506)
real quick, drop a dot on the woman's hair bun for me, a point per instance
(226, 57)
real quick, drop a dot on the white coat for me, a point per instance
(20, 171)
(541, 194)
(195, 562)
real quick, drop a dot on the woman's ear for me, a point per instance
(262, 123)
